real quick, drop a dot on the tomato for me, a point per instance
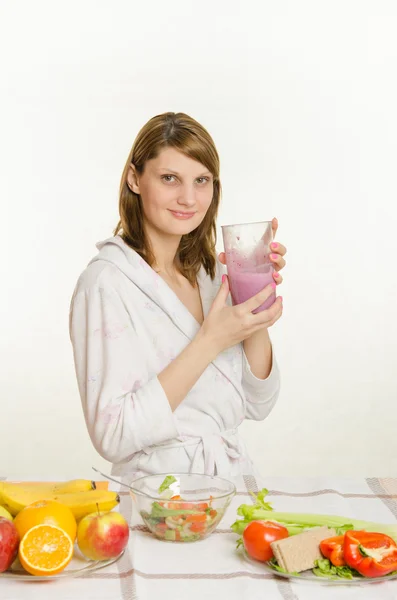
(198, 517)
(202, 506)
(177, 505)
(197, 527)
(258, 536)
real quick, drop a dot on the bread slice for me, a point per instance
(298, 552)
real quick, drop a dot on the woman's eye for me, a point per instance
(173, 179)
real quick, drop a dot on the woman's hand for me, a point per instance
(276, 257)
(257, 345)
(226, 326)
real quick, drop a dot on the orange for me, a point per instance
(45, 550)
(47, 512)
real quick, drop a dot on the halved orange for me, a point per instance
(46, 512)
(45, 550)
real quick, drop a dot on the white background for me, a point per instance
(301, 100)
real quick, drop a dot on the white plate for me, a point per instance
(78, 566)
(310, 577)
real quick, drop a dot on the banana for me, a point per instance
(4, 513)
(75, 485)
(15, 496)
(85, 503)
(64, 487)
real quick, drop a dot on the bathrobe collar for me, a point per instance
(117, 252)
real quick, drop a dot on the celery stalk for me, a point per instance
(297, 522)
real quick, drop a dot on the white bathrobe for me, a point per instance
(126, 326)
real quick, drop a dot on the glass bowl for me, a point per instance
(181, 507)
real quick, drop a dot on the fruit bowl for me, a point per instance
(78, 567)
(59, 529)
(181, 507)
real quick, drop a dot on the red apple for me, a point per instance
(9, 541)
(102, 535)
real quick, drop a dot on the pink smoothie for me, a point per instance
(245, 284)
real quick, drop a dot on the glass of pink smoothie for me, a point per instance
(249, 269)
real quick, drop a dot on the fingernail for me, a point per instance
(274, 256)
(273, 285)
(223, 278)
(274, 245)
(276, 274)
(281, 298)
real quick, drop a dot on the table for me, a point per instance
(212, 568)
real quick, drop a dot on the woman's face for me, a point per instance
(176, 192)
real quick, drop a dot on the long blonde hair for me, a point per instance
(179, 131)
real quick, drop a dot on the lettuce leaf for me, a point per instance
(324, 568)
(169, 480)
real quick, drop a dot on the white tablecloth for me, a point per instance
(212, 568)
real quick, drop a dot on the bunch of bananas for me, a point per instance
(80, 495)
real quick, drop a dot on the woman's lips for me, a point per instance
(182, 215)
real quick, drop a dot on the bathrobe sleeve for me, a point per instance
(261, 394)
(125, 408)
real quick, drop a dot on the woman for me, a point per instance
(167, 369)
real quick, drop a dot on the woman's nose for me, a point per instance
(187, 196)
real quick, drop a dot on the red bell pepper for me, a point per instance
(332, 548)
(371, 554)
